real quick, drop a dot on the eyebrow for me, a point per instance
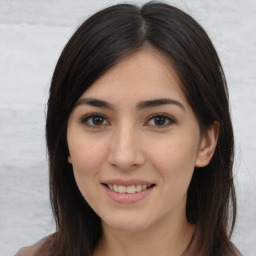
(140, 106)
(158, 102)
(94, 102)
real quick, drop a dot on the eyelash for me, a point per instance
(85, 120)
(162, 115)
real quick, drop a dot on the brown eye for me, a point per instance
(160, 120)
(95, 121)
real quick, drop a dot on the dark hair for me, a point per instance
(98, 44)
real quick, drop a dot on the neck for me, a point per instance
(163, 239)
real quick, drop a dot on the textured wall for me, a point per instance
(32, 35)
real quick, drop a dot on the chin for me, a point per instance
(128, 228)
(128, 224)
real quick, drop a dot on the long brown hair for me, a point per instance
(98, 44)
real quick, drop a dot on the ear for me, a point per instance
(69, 159)
(207, 145)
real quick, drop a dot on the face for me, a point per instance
(134, 142)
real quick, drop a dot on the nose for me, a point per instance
(126, 150)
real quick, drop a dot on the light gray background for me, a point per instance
(32, 35)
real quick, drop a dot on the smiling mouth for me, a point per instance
(128, 189)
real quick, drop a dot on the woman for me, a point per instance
(140, 139)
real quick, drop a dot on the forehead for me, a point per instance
(146, 73)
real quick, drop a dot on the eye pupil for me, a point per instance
(160, 120)
(97, 120)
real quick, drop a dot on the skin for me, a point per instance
(125, 142)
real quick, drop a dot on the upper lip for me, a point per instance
(127, 182)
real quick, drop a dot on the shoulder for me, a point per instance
(41, 248)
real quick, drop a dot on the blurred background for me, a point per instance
(32, 36)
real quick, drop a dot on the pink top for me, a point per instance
(41, 248)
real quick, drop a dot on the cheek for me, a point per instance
(87, 159)
(175, 161)
(85, 155)
(86, 162)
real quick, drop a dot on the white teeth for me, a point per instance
(122, 189)
(115, 188)
(144, 187)
(138, 188)
(129, 189)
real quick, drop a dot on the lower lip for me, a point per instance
(127, 198)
